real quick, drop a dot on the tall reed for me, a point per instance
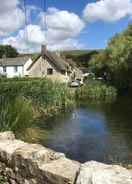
(96, 91)
(23, 100)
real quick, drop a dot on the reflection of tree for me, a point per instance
(118, 117)
(53, 122)
(119, 123)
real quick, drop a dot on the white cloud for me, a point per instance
(61, 25)
(62, 29)
(11, 17)
(28, 39)
(8, 5)
(32, 37)
(108, 10)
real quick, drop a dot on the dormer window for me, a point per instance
(63, 72)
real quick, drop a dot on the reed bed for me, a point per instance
(96, 91)
(21, 101)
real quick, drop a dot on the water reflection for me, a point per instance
(101, 132)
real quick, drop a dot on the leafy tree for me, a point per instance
(8, 51)
(116, 60)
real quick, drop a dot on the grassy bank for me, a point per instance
(24, 100)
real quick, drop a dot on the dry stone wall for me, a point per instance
(24, 163)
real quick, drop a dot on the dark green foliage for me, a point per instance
(115, 62)
(8, 51)
(81, 58)
(3, 180)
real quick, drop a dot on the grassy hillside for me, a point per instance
(76, 52)
(80, 57)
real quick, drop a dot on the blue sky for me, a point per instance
(95, 34)
(72, 24)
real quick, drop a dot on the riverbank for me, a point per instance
(41, 165)
(24, 100)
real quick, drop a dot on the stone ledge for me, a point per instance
(24, 163)
(7, 135)
(98, 173)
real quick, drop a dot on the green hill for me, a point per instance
(80, 57)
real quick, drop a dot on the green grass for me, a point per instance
(21, 101)
(95, 90)
(33, 56)
(76, 52)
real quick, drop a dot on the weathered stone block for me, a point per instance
(7, 136)
(61, 171)
(24, 163)
(7, 148)
(98, 173)
(27, 158)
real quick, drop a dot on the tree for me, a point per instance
(116, 60)
(8, 51)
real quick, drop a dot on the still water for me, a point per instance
(92, 131)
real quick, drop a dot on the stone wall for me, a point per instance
(24, 163)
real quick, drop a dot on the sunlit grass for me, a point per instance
(96, 91)
(23, 100)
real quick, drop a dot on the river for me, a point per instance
(93, 131)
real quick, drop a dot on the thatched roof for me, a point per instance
(18, 61)
(54, 58)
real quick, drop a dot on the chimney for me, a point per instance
(4, 56)
(58, 53)
(3, 59)
(43, 49)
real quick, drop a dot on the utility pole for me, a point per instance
(26, 21)
(44, 22)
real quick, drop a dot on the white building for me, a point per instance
(15, 67)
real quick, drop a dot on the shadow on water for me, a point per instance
(101, 132)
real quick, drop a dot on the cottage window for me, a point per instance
(63, 72)
(4, 69)
(49, 71)
(15, 69)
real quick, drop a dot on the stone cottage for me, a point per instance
(51, 65)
